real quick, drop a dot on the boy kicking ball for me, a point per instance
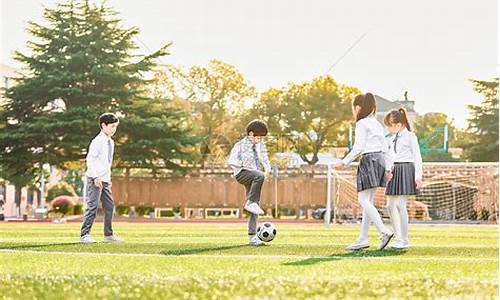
(99, 161)
(250, 164)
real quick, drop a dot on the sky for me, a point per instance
(429, 48)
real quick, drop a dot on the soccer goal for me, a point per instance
(451, 192)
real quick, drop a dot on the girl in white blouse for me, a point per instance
(370, 143)
(406, 174)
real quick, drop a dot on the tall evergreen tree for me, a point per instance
(82, 62)
(483, 123)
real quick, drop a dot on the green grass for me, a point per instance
(212, 261)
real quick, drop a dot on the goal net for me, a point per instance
(450, 192)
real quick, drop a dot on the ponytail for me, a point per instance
(397, 116)
(404, 118)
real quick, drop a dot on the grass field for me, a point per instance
(212, 261)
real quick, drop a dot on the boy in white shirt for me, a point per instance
(247, 158)
(99, 160)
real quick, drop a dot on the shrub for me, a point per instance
(60, 189)
(62, 205)
(122, 210)
(144, 210)
(78, 209)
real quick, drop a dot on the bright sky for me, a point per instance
(430, 48)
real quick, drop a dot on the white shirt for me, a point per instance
(100, 157)
(406, 149)
(369, 137)
(242, 156)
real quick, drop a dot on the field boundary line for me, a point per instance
(248, 256)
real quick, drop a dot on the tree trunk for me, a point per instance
(17, 198)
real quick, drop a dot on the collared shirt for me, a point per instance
(249, 156)
(100, 157)
(405, 148)
(369, 137)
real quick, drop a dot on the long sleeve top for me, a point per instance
(369, 137)
(100, 157)
(404, 147)
(249, 156)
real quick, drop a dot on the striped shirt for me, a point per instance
(249, 156)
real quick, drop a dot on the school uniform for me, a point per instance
(407, 164)
(248, 161)
(99, 160)
(407, 169)
(370, 143)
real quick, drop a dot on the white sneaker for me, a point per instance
(254, 240)
(113, 239)
(385, 238)
(400, 245)
(358, 245)
(253, 208)
(87, 239)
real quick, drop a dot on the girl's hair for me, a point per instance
(397, 116)
(367, 104)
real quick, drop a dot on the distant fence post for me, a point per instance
(275, 175)
(328, 196)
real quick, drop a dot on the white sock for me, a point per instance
(392, 207)
(365, 199)
(403, 216)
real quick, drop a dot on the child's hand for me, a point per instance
(98, 182)
(388, 175)
(418, 184)
(246, 164)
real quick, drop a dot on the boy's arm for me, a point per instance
(265, 159)
(234, 159)
(92, 160)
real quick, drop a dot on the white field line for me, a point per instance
(172, 241)
(243, 256)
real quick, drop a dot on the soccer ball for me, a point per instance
(266, 231)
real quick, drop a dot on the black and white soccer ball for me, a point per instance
(266, 231)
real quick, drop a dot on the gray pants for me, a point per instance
(253, 181)
(94, 194)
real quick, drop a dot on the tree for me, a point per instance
(310, 115)
(83, 63)
(483, 123)
(155, 136)
(271, 107)
(214, 95)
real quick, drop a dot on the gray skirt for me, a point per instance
(403, 180)
(371, 171)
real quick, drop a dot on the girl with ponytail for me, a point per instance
(406, 176)
(371, 145)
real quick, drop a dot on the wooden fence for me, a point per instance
(297, 189)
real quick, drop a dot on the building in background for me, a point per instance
(7, 79)
(384, 106)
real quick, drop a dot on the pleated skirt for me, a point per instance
(403, 180)
(371, 171)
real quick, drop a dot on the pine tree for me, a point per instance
(483, 123)
(82, 63)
